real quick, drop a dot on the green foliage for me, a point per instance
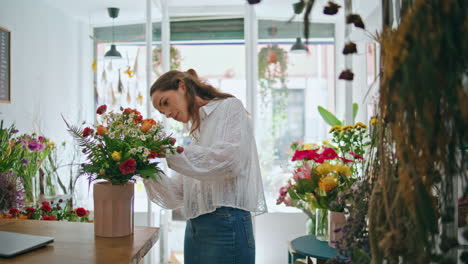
(328, 117)
(331, 119)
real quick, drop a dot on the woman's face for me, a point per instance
(172, 103)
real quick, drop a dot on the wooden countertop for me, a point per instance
(76, 243)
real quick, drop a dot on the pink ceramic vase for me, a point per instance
(113, 209)
(336, 220)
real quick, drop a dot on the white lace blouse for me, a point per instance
(221, 168)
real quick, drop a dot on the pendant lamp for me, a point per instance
(113, 53)
(298, 46)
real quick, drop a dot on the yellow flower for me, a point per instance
(52, 144)
(328, 183)
(102, 171)
(343, 169)
(345, 128)
(360, 125)
(8, 151)
(374, 121)
(307, 146)
(323, 169)
(335, 128)
(116, 156)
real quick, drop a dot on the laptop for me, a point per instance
(12, 244)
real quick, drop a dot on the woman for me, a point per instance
(218, 181)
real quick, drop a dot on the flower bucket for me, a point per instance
(113, 209)
(336, 222)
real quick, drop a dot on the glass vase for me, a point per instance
(321, 223)
(310, 226)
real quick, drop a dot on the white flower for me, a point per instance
(112, 135)
(142, 137)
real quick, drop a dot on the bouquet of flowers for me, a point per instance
(325, 171)
(122, 146)
(318, 179)
(20, 159)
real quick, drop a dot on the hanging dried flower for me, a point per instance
(346, 75)
(356, 20)
(331, 8)
(350, 48)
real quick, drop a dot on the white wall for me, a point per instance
(51, 57)
(272, 233)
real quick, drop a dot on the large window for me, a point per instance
(287, 107)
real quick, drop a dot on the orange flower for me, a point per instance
(101, 130)
(328, 183)
(147, 124)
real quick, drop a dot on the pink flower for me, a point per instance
(283, 191)
(303, 173)
(173, 141)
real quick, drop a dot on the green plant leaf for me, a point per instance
(328, 117)
(355, 111)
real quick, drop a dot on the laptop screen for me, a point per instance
(12, 244)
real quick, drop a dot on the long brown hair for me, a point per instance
(194, 87)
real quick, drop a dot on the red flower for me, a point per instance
(80, 212)
(300, 154)
(329, 154)
(173, 141)
(307, 155)
(13, 211)
(87, 131)
(345, 160)
(128, 166)
(30, 210)
(357, 156)
(49, 218)
(60, 200)
(180, 150)
(59, 207)
(46, 208)
(101, 109)
(46, 203)
(153, 154)
(316, 157)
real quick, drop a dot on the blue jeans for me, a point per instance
(223, 236)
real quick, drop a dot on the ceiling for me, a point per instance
(94, 12)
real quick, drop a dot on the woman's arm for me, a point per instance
(222, 159)
(165, 191)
